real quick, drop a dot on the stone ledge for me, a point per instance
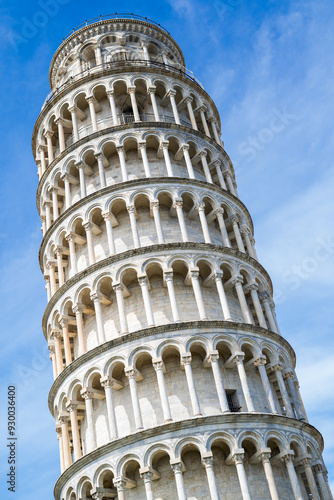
(147, 332)
(249, 419)
(155, 249)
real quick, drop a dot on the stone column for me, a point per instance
(47, 286)
(53, 360)
(96, 298)
(56, 335)
(157, 221)
(158, 366)
(72, 110)
(151, 93)
(318, 470)
(107, 385)
(164, 146)
(132, 92)
(194, 275)
(238, 460)
(239, 361)
(265, 459)
(171, 94)
(145, 51)
(212, 120)
(188, 101)
(222, 296)
(91, 100)
(72, 409)
(186, 363)
(221, 179)
(230, 182)
(143, 282)
(61, 450)
(51, 267)
(102, 175)
(205, 166)
(178, 204)
(177, 469)
(131, 374)
(264, 297)
(48, 134)
(284, 393)
(213, 360)
(112, 102)
(237, 281)
(288, 377)
(118, 289)
(60, 265)
(253, 289)
(78, 311)
(185, 149)
(47, 205)
(107, 217)
(142, 148)
(235, 224)
(210, 474)
(66, 441)
(132, 214)
(68, 197)
(204, 223)
(147, 478)
(306, 462)
(250, 249)
(172, 297)
(90, 243)
(121, 155)
(43, 221)
(91, 437)
(288, 460)
(55, 209)
(60, 123)
(66, 340)
(120, 483)
(41, 150)
(260, 363)
(202, 110)
(98, 55)
(80, 166)
(219, 213)
(300, 399)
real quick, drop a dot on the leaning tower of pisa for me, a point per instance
(172, 380)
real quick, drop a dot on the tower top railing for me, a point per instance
(181, 70)
(116, 15)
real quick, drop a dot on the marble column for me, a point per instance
(239, 361)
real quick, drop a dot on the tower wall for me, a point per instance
(171, 377)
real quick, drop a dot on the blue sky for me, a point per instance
(268, 65)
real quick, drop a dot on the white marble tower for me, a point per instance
(172, 380)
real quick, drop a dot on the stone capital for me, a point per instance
(277, 368)
(87, 393)
(154, 205)
(261, 360)
(171, 93)
(131, 209)
(239, 357)
(107, 216)
(78, 308)
(96, 296)
(131, 90)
